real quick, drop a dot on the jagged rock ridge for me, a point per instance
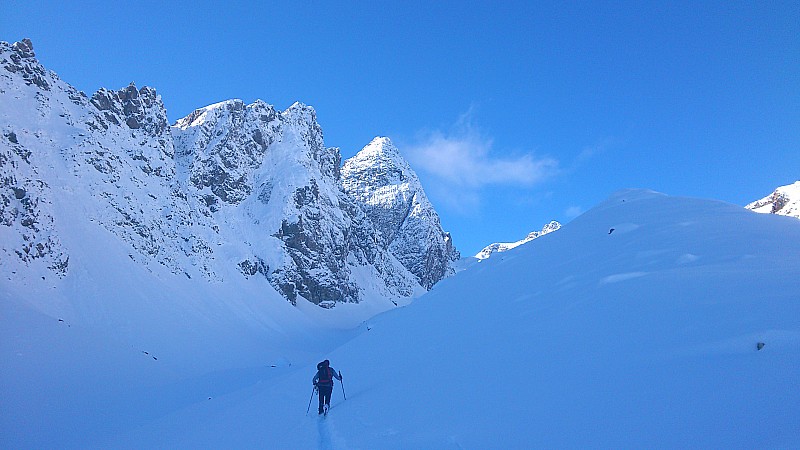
(230, 190)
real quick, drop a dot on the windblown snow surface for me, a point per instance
(637, 325)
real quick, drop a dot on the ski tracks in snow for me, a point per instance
(328, 438)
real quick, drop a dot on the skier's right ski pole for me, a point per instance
(341, 382)
(312, 398)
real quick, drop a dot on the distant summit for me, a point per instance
(784, 201)
(499, 247)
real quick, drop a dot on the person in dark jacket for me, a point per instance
(323, 380)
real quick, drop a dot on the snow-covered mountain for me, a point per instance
(383, 184)
(273, 171)
(785, 201)
(499, 247)
(230, 192)
(681, 328)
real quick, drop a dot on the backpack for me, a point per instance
(324, 375)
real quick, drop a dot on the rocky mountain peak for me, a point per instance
(380, 180)
(301, 112)
(382, 148)
(391, 179)
(784, 201)
(136, 108)
(19, 58)
(254, 158)
(225, 111)
(24, 48)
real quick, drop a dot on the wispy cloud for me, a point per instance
(464, 158)
(467, 161)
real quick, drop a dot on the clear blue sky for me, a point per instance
(512, 113)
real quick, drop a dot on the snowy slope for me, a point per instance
(635, 326)
(785, 201)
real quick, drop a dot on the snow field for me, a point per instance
(555, 344)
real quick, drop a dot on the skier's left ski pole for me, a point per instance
(312, 398)
(341, 382)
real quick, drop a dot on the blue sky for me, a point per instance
(512, 114)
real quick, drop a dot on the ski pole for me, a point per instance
(312, 398)
(341, 382)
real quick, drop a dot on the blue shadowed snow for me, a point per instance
(641, 337)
